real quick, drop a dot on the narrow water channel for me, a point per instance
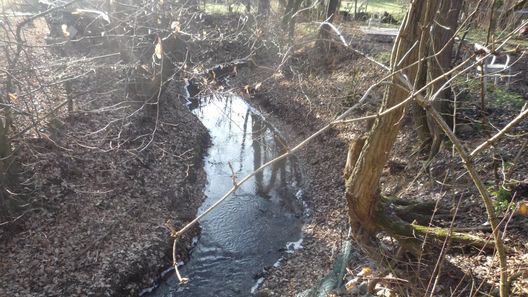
(262, 220)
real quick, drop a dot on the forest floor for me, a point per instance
(100, 183)
(97, 225)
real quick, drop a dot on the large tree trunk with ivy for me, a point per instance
(368, 157)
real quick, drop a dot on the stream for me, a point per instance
(259, 223)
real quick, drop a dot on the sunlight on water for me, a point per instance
(251, 230)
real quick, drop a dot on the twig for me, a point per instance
(504, 130)
(52, 112)
(182, 280)
(233, 175)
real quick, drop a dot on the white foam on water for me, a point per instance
(257, 285)
(278, 263)
(300, 194)
(294, 245)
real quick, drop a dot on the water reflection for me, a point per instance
(265, 150)
(248, 231)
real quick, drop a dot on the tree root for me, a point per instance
(412, 211)
(411, 234)
(460, 237)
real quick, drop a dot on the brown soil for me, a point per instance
(99, 185)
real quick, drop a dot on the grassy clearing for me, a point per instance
(479, 36)
(395, 7)
(497, 96)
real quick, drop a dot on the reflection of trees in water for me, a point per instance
(228, 112)
(256, 127)
(267, 145)
(244, 135)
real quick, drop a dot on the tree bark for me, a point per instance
(288, 12)
(443, 32)
(288, 20)
(325, 31)
(248, 6)
(362, 187)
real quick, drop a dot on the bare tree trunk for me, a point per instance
(5, 143)
(325, 31)
(362, 186)
(443, 31)
(287, 14)
(288, 20)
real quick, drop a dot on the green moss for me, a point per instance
(443, 233)
(410, 234)
(503, 197)
(502, 194)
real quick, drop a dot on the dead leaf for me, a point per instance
(351, 284)
(12, 97)
(522, 208)
(366, 271)
(158, 51)
(175, 26)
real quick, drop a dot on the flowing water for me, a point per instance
(256, 225)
